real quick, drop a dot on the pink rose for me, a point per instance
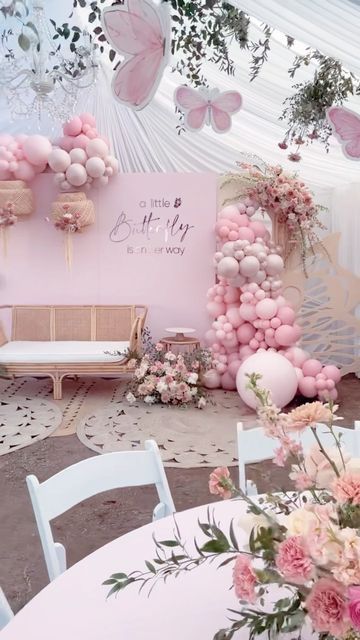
(293, 560)
(244, 579)
(327, 607)
(347, 488)
(354, 606)
(220, 483)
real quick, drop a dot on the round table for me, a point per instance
(180, 341)
(192, 606)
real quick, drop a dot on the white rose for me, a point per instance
(202, 403)
(161, 386)
(250, 521)
(130, 398)
(149, 399)
(299, 522)
(193, 378)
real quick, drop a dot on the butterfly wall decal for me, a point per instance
(140, 31)
(345, 125)
(207, 106)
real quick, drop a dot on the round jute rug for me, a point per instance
(26, 420)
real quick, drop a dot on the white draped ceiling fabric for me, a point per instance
(148, 140)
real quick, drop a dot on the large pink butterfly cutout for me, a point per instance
(204, 106)
(346, 128)
(141, 32)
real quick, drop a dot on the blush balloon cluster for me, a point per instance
(83, 159)
(22, 156)
(248, 309)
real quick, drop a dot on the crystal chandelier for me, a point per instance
(44, 80)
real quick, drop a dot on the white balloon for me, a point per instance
(78, 155)
(95, 167)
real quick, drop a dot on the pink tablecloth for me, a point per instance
(192, 606)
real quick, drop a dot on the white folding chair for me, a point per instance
(87, 478)
(6, 612)
(254, 446)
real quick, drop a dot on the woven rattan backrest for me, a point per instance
(73, 323)
(114, 323)
(69, 322)
(31, 323)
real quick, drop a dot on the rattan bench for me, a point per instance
(64, 340)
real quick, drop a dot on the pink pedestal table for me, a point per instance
(192, 606)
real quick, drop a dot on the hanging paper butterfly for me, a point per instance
(346, 128)
(141, 32)
(207, 106)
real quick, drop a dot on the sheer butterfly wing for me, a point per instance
(140, 32)
(346, 128)
(224, 105)
(194, 106)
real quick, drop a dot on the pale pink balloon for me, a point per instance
(231, 294)
(65, 186)
(73, 127)
(81, 141)
(245, 233)
(228, 212)
(220, 367)
(328, 395)
(285, 335)
(250, 211)
(307, 387)
(258, 228)
(215, 309)
(274, 264)
(233, 366)
(321, 384)
(228, 382)
(287, 315)
(6, 139)
(299, 373)
(332, 372)
(66, 143)
(76, 174)
(59, 160)
(254, 344)
(25, 171)
(245, 352)
(233, 316)
(228, 267)
(87, 118)
(4, 173)
(241, 207)
(97, 147)
(277, 375)
(92, 134)
(220, 334)
(78, 155)
(224, 231)
(297, 356)
(311, 367)
(298, 331)
(249, 266)
(40, 168)
(266, 308)
(37, 149)
(4, 165)
(211, 379)
(95, 167)
(247, 312)
(245, 333)
(210, 337)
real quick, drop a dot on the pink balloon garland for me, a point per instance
(248, 311)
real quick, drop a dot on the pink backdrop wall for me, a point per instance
(142, 249)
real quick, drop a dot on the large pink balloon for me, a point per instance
(258, 228)
(37, 149)
(81, 141)
(247, 311)
(277, 375)
(73, 127)
(266, 308)
(231, 294)
(76, 175)
(215, 309)
(287, 315)
(228, 382)
(87, 118)
(285, 335)
(233, 315)
(245, 233)
(211, 379)
(297, 356)
(25, 171)
(245, 333)
(59, 160)
(66, 143)
(249, 266)
(332, 372)
(97, 147)
(210, 337)
(234, 367)
(307, 387)
(311, 367)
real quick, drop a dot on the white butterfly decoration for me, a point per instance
(207, 106)
(140, 31)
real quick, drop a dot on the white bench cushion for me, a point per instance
(57, 351)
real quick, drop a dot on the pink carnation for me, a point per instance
(220, 482)
(354, 606)
(244, 579)
(327, 607)
(293, 560)
(308, 415)
(301, 480)
(346, 488)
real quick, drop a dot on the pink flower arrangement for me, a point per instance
(7, 216)
(286, 197)
(67, 221)
(163, 377)
(308, 545)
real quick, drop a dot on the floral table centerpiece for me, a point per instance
(164, 377)
(306, 545)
